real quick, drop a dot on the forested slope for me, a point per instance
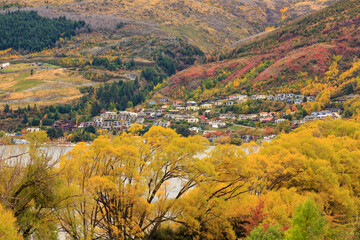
(22, 30)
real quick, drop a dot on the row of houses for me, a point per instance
(230, 100)
(108, 125)
(177, 117)
(291, 98)
(123, 115)
(212, 135)
(321, 115)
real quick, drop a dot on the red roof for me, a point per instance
(268, 119)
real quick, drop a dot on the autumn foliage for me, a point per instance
(134, 185)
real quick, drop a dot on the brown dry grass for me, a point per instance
(47, 93)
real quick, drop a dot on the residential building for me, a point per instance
(33, 129)
(65, 125)
(140, 120)
(192, 120)
(206, 106)
(177, 103)
(279, 120)
(107, 125)
(192, 108)
(258, 97)
(268, 119)
(195, 129)
(217, 124)
(191, 103)
(164, 100)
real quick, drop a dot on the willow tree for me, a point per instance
(29, 186)
(127, 186)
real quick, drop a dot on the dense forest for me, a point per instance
(23, 30)
(119, 95)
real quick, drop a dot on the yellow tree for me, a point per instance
(206, 211)
(321, 157)
(28, 186)
(126, 187)
(8, 228)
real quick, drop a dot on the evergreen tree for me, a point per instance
(25, 120)
(307, 223)
(6, 108)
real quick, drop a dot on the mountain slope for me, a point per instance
(309, 55)
(209, 24)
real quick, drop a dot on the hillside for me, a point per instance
(316, 53)
(209, 24)
(133, 36)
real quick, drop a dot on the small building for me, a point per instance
(298, 101)
(66, 125)
(98, 119)
(177, 103)
(310, 99)
(206, 106)
(192, 108)
(195, 129)
(140, 120)
(165, 124)
(192, 120)
(258, 97)
(268, 119)
(131, 76)
(279, 120)
(107, 125)
(217, 124)
(191, 103)
(229, 103)
(33, 129)
(4, 65)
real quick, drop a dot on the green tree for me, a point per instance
(90, 129)
(183, 130)
(25, 120)
(273, 232)
(56, 116)
(6, 108)
(307, 223)
(52, 133)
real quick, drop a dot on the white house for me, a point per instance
(192, 108)
(33, 129)
(206, 106)
(239, 98)
(192, 120)
(258, 97)
(3, 65)
(229, 103)
(98, 119)
(279, 120)
(217, 124)
(298, 101)
(195, 129)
